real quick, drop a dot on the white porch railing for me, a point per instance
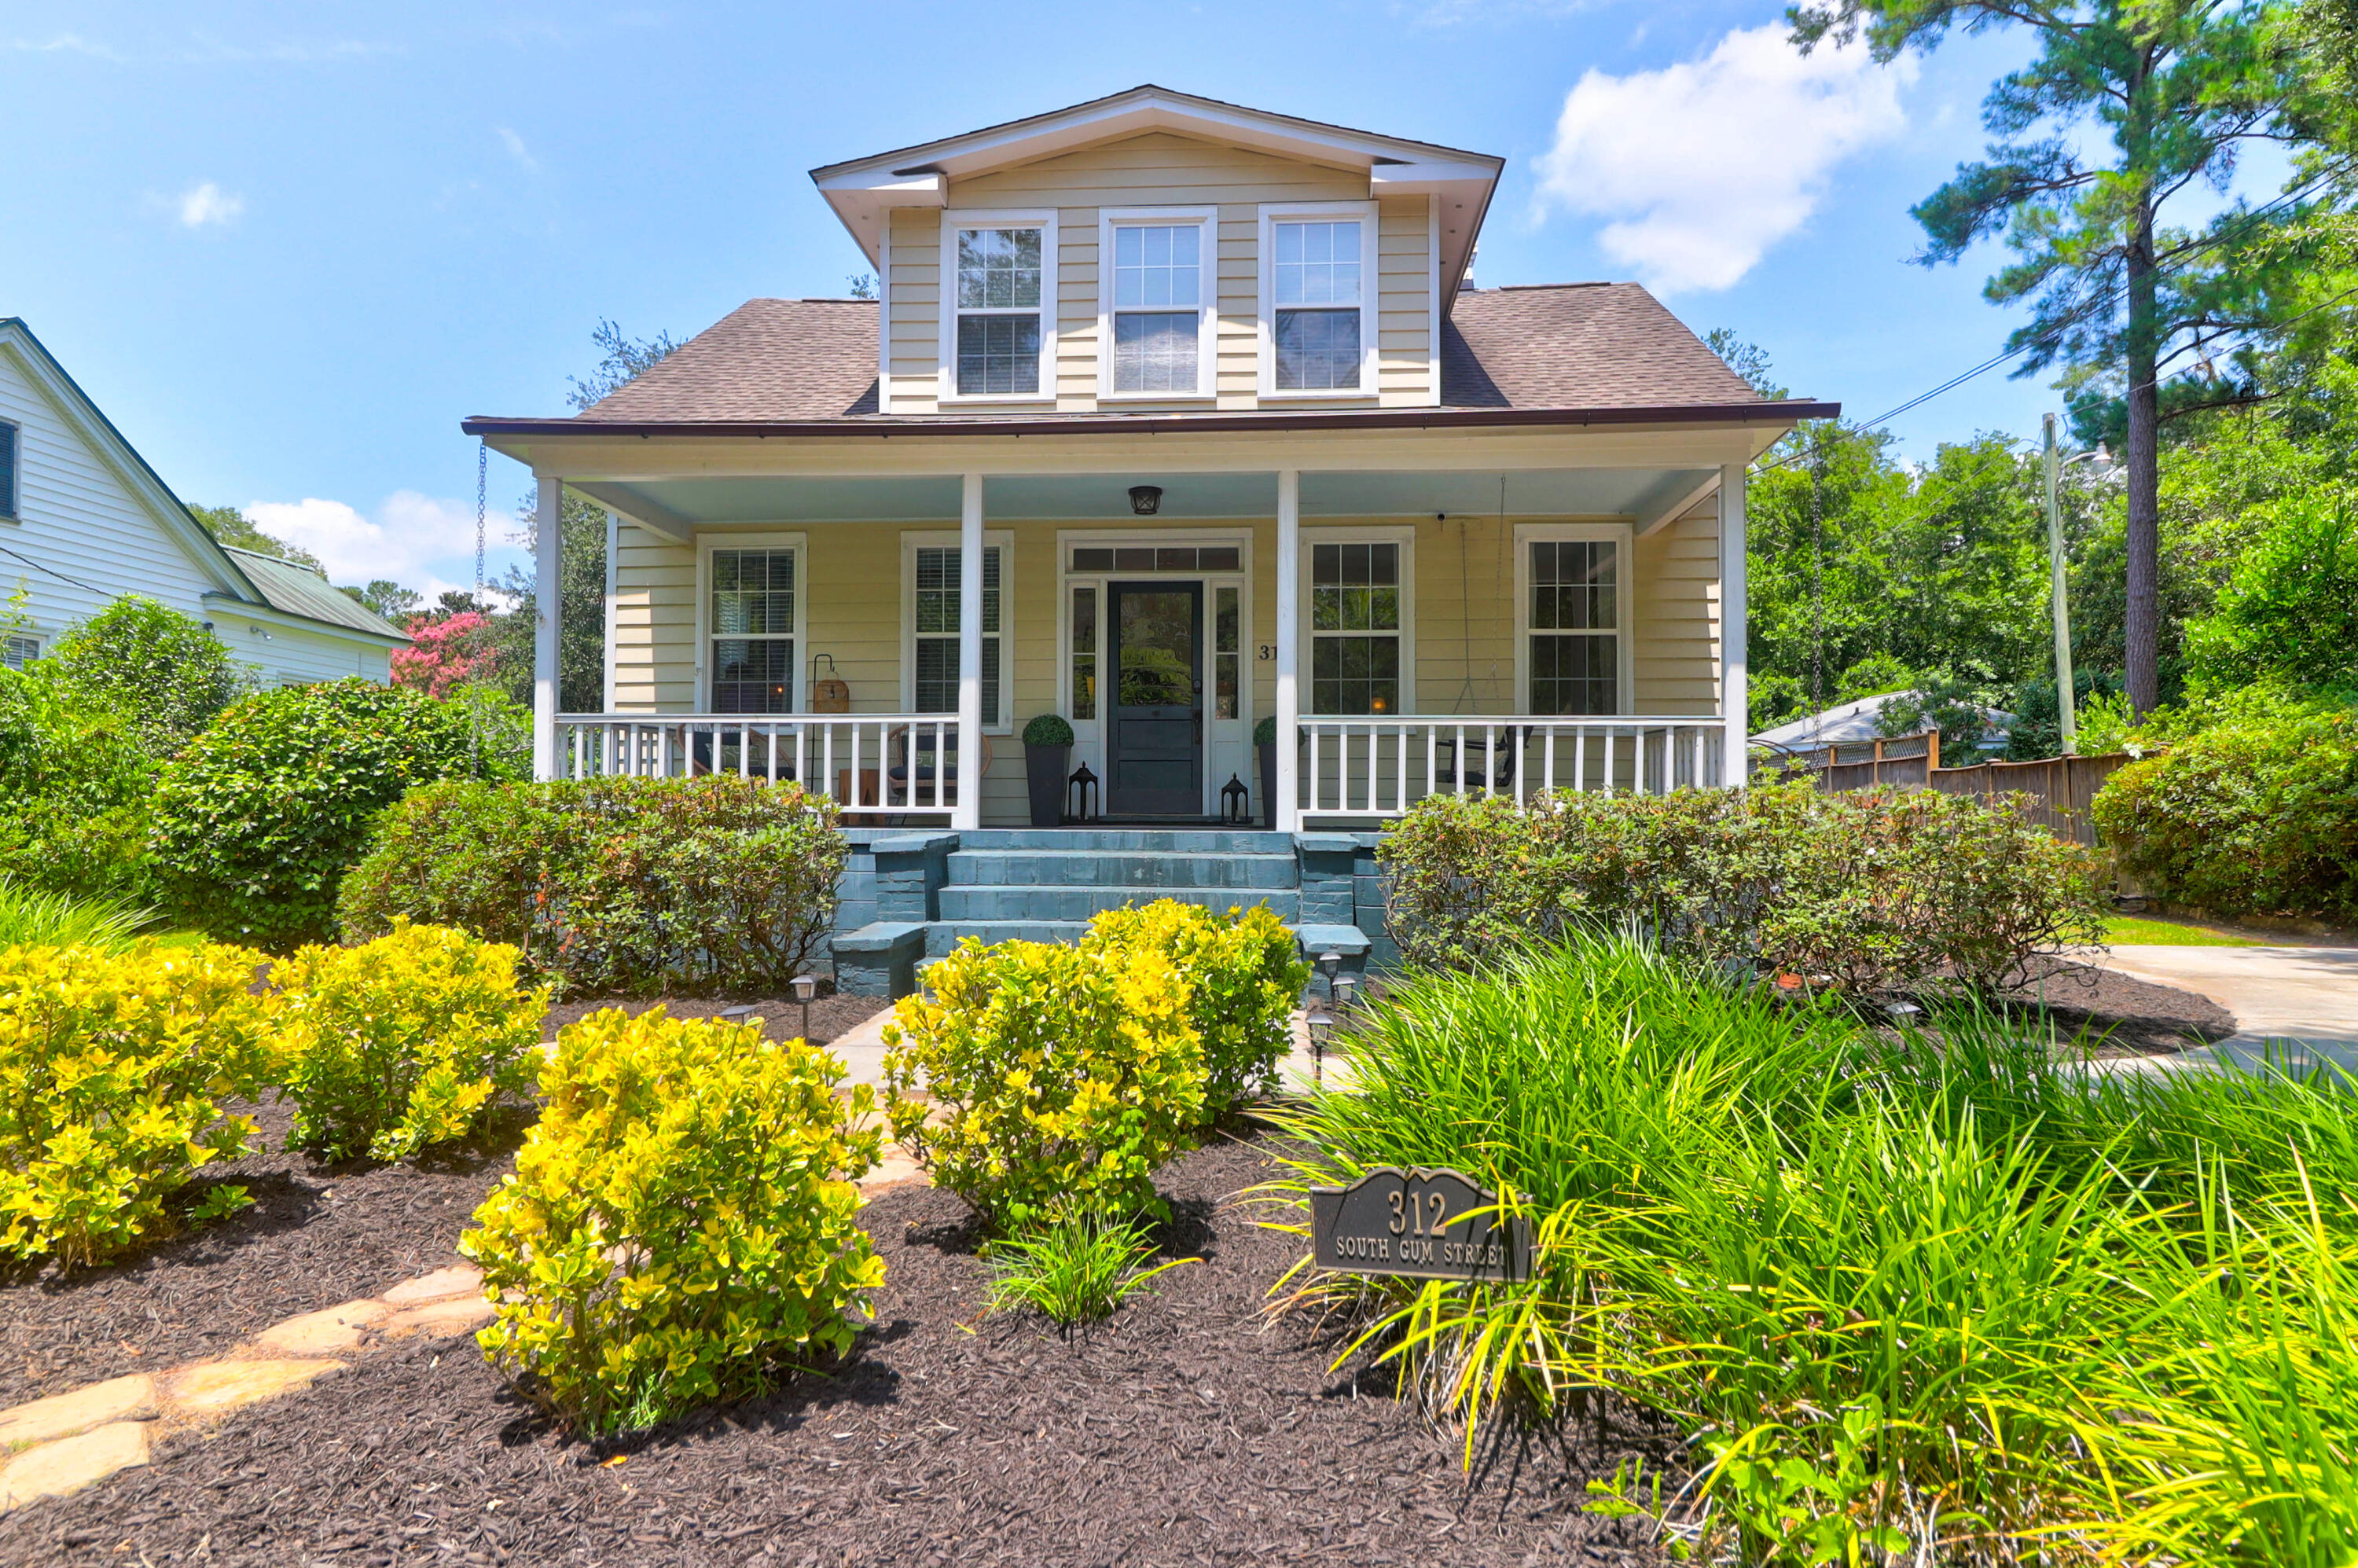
(863, 761)
(1382, 766)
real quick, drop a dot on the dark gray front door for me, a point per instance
(1154, 764)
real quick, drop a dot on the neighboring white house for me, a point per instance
(83, 520)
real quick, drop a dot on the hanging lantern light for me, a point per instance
(1145, 499)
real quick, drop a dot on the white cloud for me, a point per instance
(1702, 166)
(416, 540)
(514, 143)
(206, 203)
(65, 43)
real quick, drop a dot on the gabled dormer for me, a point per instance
(1155, 251)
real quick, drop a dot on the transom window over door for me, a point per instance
(937, 580)
(1158, 288)
(753, 650)
(999, 304)
(1316, 290)
(1574, 626)
(1355, 628)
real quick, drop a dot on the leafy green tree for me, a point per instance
(2130, 303)
(162, 672)
(581, 632)
(386, 597)
(231, 526)
(2289, 612)
(626, 360)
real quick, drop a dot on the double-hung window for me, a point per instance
(1157, 298)
(752, 631)
(1355, 628)
(16, 650)
(1317, 280)
(7, 470)
(1002, 285)
(935, 580)
(1572, 627)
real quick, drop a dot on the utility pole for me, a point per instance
(2065, 704)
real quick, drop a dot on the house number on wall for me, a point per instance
(1420, 1223)
(1268, 650)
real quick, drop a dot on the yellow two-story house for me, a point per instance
(1182, 422)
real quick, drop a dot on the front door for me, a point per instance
(1155, 743)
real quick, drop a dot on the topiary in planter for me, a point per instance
(1047, 730)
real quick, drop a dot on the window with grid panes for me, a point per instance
(1316, 307)
(999, 307)
(1157, 306)
(16, 650)
(1574, 626)
(1355, 628)
(1228, 652)
(937, 584)
(752, 631)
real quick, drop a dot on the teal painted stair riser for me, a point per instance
(910, 896)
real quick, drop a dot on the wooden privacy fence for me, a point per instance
(2055, 790)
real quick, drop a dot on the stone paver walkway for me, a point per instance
(2305, 1000)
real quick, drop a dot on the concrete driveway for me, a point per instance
(2307, 996)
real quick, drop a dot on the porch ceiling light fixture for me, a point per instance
(1145, 499)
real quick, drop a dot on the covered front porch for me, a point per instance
(1396, 628)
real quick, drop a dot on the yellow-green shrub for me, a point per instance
(682, 1219)
(112, 1068)
(402, 1042)
(1244, 974)
(1068, 1075)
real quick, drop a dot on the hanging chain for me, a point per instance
(482, 478)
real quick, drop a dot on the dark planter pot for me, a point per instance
(1046, 768)
(1268, 751)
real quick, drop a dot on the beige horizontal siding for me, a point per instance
(1158, 169)
(1675, 590)
(1404, 302)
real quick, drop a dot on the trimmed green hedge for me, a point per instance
(613, 886)
(1870, 890)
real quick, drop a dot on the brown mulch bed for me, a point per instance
(830, 1015)
(1184, 1430)
(316, 1234)
(2119, 1015)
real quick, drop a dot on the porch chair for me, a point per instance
(1507, 745)
(899, 775)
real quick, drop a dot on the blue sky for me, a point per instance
(287, 247)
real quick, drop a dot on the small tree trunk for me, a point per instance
(2142, 631)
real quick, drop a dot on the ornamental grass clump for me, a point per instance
(682, 1224)
(1244, 974)
(1915, 1293)
(1075, 1268)
(1060, 1076)
(402, 1042)
(114, 1068)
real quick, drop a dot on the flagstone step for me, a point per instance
(1133, 869)
(968, 904)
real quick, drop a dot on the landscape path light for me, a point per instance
(805, 986)
(1322, 1024)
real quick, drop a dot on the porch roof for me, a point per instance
(684, 503)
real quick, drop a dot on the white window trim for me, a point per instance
(798, 541)
(1404, 536)
(12, 504)
(1207, 220)
(1624, 638)
(1370, 249)
(1004, 540)
(1044, 220)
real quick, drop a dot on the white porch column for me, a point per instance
(613, 546)
(1734, 674)
(1286, 814)
(968, 811)
(548, 542)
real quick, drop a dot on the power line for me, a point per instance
(2105, 300)
(51, 571)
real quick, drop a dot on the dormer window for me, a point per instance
(1157, 308)
(1314, 284)
(1004, 274)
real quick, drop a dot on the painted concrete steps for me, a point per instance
(1053, 902)
(1160, 840)
(941, 936)
(1133, 869)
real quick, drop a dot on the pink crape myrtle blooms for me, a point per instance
(444, 655)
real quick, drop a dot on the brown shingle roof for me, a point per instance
(1577, 345)
(768, 358)
(1582, 345)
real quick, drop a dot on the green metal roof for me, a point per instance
(299, 590)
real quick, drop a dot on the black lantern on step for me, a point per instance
(1235, 801)
(1081, 796)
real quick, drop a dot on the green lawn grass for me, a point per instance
(2126, 930)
